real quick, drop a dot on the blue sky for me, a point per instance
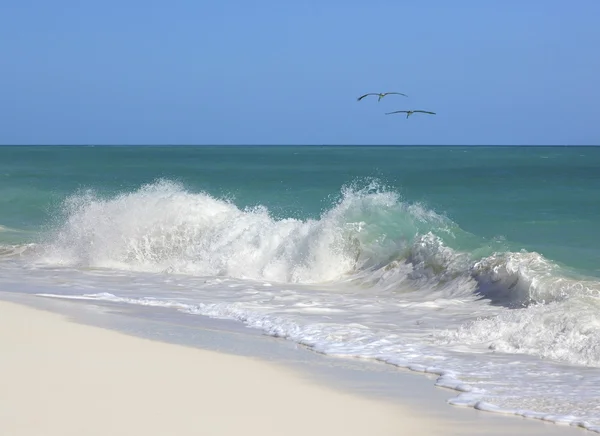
(280, 72)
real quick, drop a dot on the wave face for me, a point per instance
(163, 227)
(370, 237)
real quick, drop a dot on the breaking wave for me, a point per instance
(368, 237)
(415, 261)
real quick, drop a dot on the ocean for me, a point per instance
(480, 265)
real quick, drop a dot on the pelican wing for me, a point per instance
(398, 93)
(397, 112)
(363, 96)
(426, 112)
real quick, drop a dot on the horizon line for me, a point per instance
(296, 145)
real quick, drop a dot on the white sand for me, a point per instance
(61, 378)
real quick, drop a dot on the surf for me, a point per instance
(367, 236)
(372, 276)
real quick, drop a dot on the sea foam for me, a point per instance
(373, 276)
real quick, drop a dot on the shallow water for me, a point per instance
(478, 265)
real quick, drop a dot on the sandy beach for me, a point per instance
(59, 377)
(62, 378)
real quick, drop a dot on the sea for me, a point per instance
(479, 266)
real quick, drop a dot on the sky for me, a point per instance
(510, 72)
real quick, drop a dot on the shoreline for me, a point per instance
(421, 412)
(59, 377)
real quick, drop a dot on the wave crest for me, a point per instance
(162, 227)
(523, 278)
(369, 237)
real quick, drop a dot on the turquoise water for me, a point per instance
(538, 198)
(478, 264)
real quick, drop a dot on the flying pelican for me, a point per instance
(380, 94)
(409, 113)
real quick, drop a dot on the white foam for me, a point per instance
(526, 277)
(162, 228)
(567, 331)
(372, 277)
(489, 382)
(10, 251)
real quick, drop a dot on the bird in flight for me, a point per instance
(380, 94)
(409, 113)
